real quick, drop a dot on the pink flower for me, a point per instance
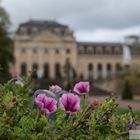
(70, 103)
(81, 88)
(55, 89)
(46, 104)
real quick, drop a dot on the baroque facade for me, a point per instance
(48, 46)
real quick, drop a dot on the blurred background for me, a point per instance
(63, 42)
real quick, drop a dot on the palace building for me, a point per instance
(48, 46)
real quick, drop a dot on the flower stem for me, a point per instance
(37, 116)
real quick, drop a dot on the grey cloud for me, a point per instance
(78, 14)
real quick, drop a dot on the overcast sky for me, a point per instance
(91, 20)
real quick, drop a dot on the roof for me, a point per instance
(42, 23)
(100, 43)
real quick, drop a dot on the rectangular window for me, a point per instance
(34, 50)
(57, 51)
(23, 50)
(45, 50)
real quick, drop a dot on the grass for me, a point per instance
(123, 111)
(134, 100)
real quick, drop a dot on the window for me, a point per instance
(90, 71)
(45, 50)
(117, 50)
(68, 51)
(81, 49)
(23, 50)
(46, 70)
(35, 69)
(118, 69)
(34, 30)
(99, 50)
(57, 70)
(34, 50)
(23, 30)
(56, 51)
(90, 50)
(23, 69)
(108, 71)
(99, 71)
(108, 50)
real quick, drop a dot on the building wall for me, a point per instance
(50, 51)
(85, 60)
(47, 47)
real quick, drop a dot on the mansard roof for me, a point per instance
(99, 44)
(41, 25)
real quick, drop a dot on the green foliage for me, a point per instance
(19, 120)
(132, 76)
(6, 49)
(127, 93)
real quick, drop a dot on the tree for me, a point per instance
(127, 92)
(6, 49)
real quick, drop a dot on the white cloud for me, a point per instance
(91, 20)
(106, 35)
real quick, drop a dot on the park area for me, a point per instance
(69, 70)
(57, 114)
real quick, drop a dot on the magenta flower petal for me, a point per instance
(81, 88)
(46, 104)
(55, 89)
(70, 103)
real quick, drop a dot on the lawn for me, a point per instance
(122, 111)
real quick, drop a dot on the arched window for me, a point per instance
(35, 69)
(23, 69)
(90, 50)
(46, 70)
(100, 71)
(108, 50)
(90, 71)
(117, 50)
(99, 50)
(81, 49)
(57, 70)
(108, 71)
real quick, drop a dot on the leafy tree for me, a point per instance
(6, 49)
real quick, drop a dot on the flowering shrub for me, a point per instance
(56, 114)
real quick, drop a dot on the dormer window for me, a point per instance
(90, 50)
(108, 50)
(34, 29)
(99, 50)
(62, 32)
(117, 50)
(81, 49)
(23, 30)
